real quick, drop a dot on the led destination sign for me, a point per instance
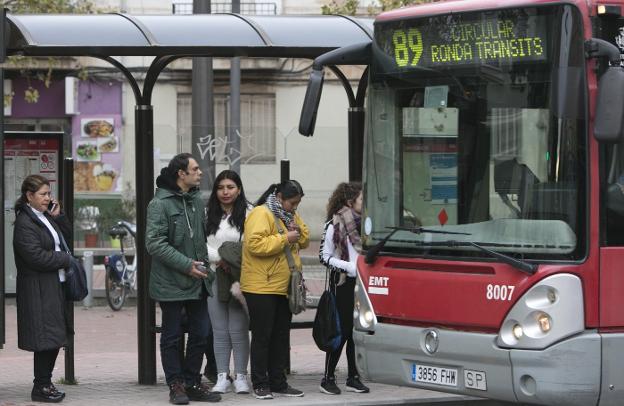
(439, 42)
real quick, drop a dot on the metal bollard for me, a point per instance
(87, 262)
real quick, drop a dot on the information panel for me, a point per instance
(471, 39)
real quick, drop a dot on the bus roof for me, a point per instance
(457, 6)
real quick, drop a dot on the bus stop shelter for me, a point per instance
(167, 38)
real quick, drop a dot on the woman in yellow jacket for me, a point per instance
(264, 282)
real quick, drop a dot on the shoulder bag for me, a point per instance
(326, 329)
(75, 277)
(296, 285)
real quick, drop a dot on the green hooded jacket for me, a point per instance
(172, 216)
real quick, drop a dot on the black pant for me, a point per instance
(344, 304)
(269, 322)
(44, 365)
(188, 369)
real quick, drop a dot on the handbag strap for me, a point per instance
(64, 244)
(287, 251)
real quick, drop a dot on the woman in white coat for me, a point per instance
(227, 210)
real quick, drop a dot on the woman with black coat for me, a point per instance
(41, 262)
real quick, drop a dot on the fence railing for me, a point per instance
(186, 7)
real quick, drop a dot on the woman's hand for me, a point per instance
(56, 208)
(293, 236)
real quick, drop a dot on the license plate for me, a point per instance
(434, 375)
(475, 379)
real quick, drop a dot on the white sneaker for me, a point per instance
(223, 384)
(240, 384)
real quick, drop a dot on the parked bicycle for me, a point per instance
(120, 278)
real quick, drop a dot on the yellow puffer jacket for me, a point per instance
(265, 267)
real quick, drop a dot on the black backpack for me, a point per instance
(326, 328)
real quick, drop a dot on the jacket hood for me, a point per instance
(167, 186)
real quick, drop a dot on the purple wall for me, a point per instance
(51, 102)
(93, 98)
(99, 97)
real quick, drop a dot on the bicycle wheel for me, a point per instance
(116, 291)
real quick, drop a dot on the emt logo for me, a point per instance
(378, 285)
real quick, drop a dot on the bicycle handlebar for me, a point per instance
(128, 226)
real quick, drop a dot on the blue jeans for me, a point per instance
(185, 370)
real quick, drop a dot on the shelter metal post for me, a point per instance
(67, 181)
(2, 58)
(234, 141)
(146, 320)
(356, 118)
(202, 117)
(284, 170)
(356, 143)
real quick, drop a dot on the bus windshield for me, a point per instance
(477, 124)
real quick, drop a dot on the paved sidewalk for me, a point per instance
(106, 369)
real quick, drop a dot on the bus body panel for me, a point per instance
(611, 287)
(471, 295)
(612, 391)
(567, 373)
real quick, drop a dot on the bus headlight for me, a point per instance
(364, 318)
(543, 321)
(548, 312)
(517, 331)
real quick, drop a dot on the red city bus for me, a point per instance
(493, 222)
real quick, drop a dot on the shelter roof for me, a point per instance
(223, 35)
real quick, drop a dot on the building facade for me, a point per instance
(100, 129)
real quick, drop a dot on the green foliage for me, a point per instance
(31, 95)
(63, 381)
(386, 5)
(108, 213)
(350, 7)
(49, 6)
(344, 7)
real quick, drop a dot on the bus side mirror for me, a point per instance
(609, 121)
(311, 103)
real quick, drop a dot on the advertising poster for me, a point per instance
(97, 153)
(29, 156)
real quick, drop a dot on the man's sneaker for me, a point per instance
(200, 393)
(354, 385)
(240, 384)
(289, 391)
(46, 393)
(223, 384)
(329, 387)
(263, 393)
(177, 394)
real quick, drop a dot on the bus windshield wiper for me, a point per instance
(524, 266)
(372, 253)
(519, 264)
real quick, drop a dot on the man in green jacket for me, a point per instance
(179, 280)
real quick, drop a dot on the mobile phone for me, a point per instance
(201, 268)
(51, 206)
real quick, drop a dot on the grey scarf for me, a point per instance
(275, 206)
